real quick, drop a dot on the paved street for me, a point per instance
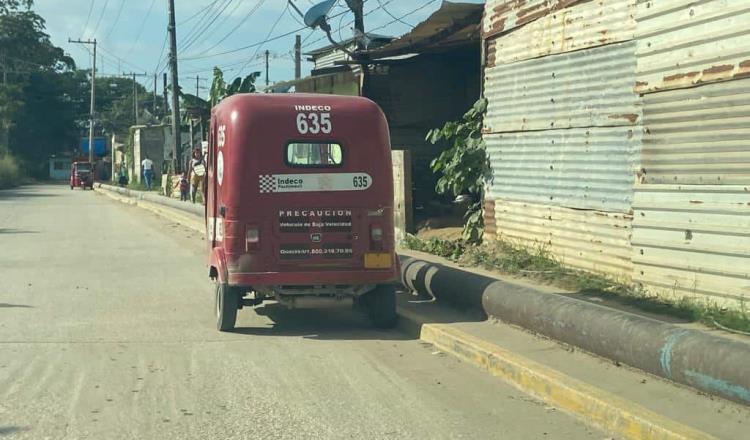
(107, 331)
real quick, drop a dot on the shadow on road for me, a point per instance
(322, 324)
(24, 193)
(16, 231)
(9, 430)
(15, 306)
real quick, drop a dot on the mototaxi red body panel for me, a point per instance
(315, 225)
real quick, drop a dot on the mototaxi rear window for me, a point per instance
(314, 154)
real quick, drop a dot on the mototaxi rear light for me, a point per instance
(376, 237)
(252, 237)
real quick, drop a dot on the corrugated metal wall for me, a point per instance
(698, 135)
(619, 135)
(693, 240)
(682, 43)
(564, 128)
(691, 233)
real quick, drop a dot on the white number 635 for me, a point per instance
(314, 123)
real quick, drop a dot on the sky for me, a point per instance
(230, 34)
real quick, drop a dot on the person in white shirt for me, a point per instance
(148, 172)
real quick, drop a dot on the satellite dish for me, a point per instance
(316, 15)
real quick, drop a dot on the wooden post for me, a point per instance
(402, 197)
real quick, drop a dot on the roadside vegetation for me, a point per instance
(539, 265)
(10, 172)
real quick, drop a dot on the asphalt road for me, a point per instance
(107, 332)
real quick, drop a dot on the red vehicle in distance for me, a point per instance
(299, 205)
(81, 175)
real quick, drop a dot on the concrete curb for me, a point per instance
(702, 360)
(594, 406)
(190, 216)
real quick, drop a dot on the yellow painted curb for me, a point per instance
(593, 405)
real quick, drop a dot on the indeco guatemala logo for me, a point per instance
(275, 183)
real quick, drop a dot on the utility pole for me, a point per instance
(177, 147)
(197, 85)
(267, 53)
(155, 84)
(357, 7)
(297, 57)
(166, 100)
(135, 92)
(93, 95)
(359, 19)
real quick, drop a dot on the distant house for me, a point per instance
(59, 167)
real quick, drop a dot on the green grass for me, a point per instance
(539, 265)
(10, 172)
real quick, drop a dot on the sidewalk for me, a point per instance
(624, 401)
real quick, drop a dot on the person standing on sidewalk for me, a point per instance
(148, 172)
(197, 172)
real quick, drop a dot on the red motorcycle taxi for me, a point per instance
(299, 205)
(81, 175)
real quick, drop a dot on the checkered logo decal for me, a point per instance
(267, 184)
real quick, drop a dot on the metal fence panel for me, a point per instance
(693, 241)
(587, 25)
(587, 88)
(699, 135)
(582, 168)
(588, 240)
(684, 43)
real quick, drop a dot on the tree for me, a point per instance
(39, 103)
(219, 90)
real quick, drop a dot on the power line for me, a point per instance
(88, 18)
(121, 60)
(161, 54)
(99, 22)
(406, 15)
(207, 11)
(220, 25)
(205, 28)
(242, 21)
(140, 31)
(117, 20)
(273, 28)
(197, 13)
(383, 7)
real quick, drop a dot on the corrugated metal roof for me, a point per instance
(505, 15)
(693, 240)
(583, 26)
(582, 168)
(682, 43)
(588, 240)
(592, 87)
(454, 24)
(699, 135)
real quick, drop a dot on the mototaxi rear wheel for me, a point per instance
(381, 306)
(227, 304)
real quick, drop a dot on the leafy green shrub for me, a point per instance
(464, 166)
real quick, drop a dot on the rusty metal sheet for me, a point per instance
(582, 26)
(588, 240)
(592, 87)
(683, 43)
(502, 16)
(581, 168)
(693, 241)
(699, 135)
